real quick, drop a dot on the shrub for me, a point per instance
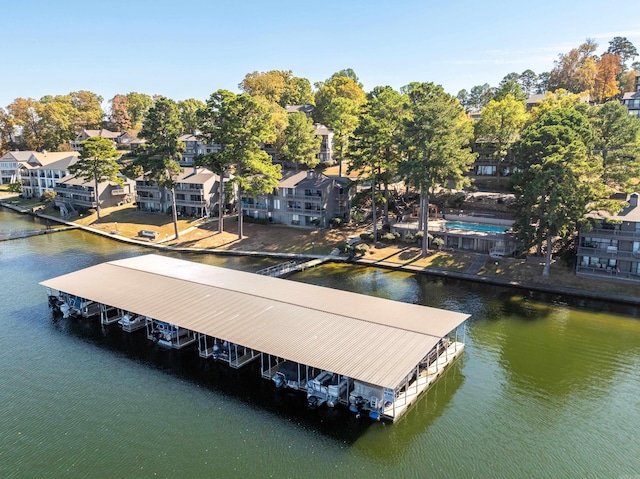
(47, 196)
(15, 187)
(368, 237)
(361, 249)
(388, 237)
(437, 242)
(336, 222)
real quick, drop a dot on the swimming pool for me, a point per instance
(463, 225)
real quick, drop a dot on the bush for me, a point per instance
(336, 222)
(361, 249)
(388, 237)
(15, 187)
(48, 196)
(368, 237)
(437, 242)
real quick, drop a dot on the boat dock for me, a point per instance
(17, 234)
(282, 269)
(375, 356)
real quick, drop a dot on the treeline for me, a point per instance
(602, 77)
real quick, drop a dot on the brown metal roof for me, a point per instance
(371, 339)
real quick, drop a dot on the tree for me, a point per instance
(528, 81)
(139, 104)
(606, 84)
(301, 145)
(500, 124)
(575, 71)
(337, 86)
(6, 131)
(557, 179)
(479, 96)
(298, 92)
(119, 119)
(162, 151)
(278, 86)
(437, 136)
(622, 47)
(27, 114)
(58, 126)
(337, 103)
(88, 108)
(97, 162)
(617, 141)
(542, 84)
(463, 98)
(375, 147)
(189, 114)
(241, 125)
(510, 88)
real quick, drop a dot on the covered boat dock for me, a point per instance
(391, 350)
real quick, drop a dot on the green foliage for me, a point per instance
(617, 141)
(389, 237)
(366, 237)
(15, 187)
(97, 163)
(335, 222)
(138, 105)
(189, 114)
(301, 145)
(557, 180)
(500, 124)
(361, 249)
(438, 242)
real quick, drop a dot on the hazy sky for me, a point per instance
(190, 48)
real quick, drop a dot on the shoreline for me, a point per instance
(357, 261)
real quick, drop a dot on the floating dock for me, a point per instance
(374, 355)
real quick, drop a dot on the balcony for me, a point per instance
(613, 234)
(314, 198)
(611, 274)
(148, 188)
(610, 252)
(191, 203)
(118, 192)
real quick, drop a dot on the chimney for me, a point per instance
(633, 200)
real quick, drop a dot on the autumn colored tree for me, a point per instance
(88, 106)
(278, 86)
(500, 125)
(58, 126)
(97, 163)
(337, 86)
(575, 71)
(119, 118)
(606, 85)
(27, 114)
(6, 131)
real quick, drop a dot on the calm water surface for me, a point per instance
(547, 387)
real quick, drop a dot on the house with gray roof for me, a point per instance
(303, 198)
(611, 250)
(76, 194)
(632, 99)
(10, 165)
(43, 169)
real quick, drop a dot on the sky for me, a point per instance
(191, 48)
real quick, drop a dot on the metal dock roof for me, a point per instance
(375, 340)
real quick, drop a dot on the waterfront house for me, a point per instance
(197, 194)
(611, 250)
(632, 99)
(10, 165)
(119, 138)
(303, 198)
(194, 147)
(74, 194)
(42, 170)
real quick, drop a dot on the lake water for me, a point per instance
(547, 387)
